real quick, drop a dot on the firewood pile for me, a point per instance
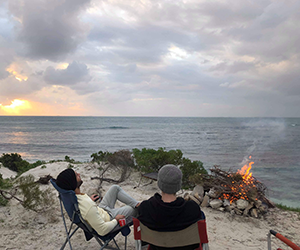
(235, 192)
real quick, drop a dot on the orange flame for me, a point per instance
(240, 189)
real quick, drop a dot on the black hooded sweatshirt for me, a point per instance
(161, 216)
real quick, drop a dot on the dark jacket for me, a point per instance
(160, 216)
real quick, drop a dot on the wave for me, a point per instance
(115, 127)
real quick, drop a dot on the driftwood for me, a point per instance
(230, 185)
(44, 179)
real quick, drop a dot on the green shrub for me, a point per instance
(33, 198)
(287, 208)
(151, 160)
(100, 156)
(4, 184)
(68, 159)
(13, 162)
(189, 169)
(121, 158)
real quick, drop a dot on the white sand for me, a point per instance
(6, 173)
(23, 229)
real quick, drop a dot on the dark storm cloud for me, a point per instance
(49, 29)
(74, 73)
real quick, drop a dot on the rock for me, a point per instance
(257, 203)
(212, 193)
(263, 208)
(242, 204)
(216, 203)
(226, 203)
(253, 213)
(198, 197)
(228, 209)
(237, 211)
(186, 196)
(246, 211)
(221, 209)
(193, 198)
(205, 201)
(199, 191)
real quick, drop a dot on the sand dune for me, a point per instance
(23, 229)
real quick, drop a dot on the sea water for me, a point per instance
(273, 143)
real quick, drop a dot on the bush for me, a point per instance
(189, 169)
(100, 156)
(34, 199)
(121, 158)
(4, 184)
(13, 162)
(151, 160)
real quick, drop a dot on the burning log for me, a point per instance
(236, 192)
(232, 185)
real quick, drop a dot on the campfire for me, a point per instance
(236, 192)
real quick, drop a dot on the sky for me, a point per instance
(202, 58)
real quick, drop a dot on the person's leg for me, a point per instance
(117, 193)
(125, 210)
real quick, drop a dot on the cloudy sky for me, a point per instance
(150, 58)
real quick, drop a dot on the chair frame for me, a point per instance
(165, 237)
(76, 219)
(283, 239)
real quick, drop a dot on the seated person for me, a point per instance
(102, 218)
(166, 212)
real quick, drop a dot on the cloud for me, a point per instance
(49, 29)
(237, 58)
(74, 73)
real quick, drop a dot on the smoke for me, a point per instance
(261, 136)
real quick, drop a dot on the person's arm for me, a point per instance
(95, 220)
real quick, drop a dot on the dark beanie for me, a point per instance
(67, 179)
(169, 179)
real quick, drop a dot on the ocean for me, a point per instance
(273, 143)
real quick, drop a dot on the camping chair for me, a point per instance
(194, 234)
(283, 239)
(69, 200)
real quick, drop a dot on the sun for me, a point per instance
(15, 107)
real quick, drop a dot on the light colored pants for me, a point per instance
(117, 193)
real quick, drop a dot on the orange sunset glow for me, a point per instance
(12, 70)
(15, 107)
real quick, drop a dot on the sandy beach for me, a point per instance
(24, 229)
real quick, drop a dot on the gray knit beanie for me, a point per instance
(169, 179)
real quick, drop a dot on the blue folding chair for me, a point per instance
(69, 200)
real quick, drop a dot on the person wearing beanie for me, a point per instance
(104, 217)
(166, 212)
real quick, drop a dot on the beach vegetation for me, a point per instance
(70, 160)
(151, 160)
(33, 197)
(70, 166)
(14, 162)
(26, 191)
(287, 208)
(44, 166)
(4, 184)
(100, 156)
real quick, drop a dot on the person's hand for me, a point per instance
(95, 197)
(119, 216)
